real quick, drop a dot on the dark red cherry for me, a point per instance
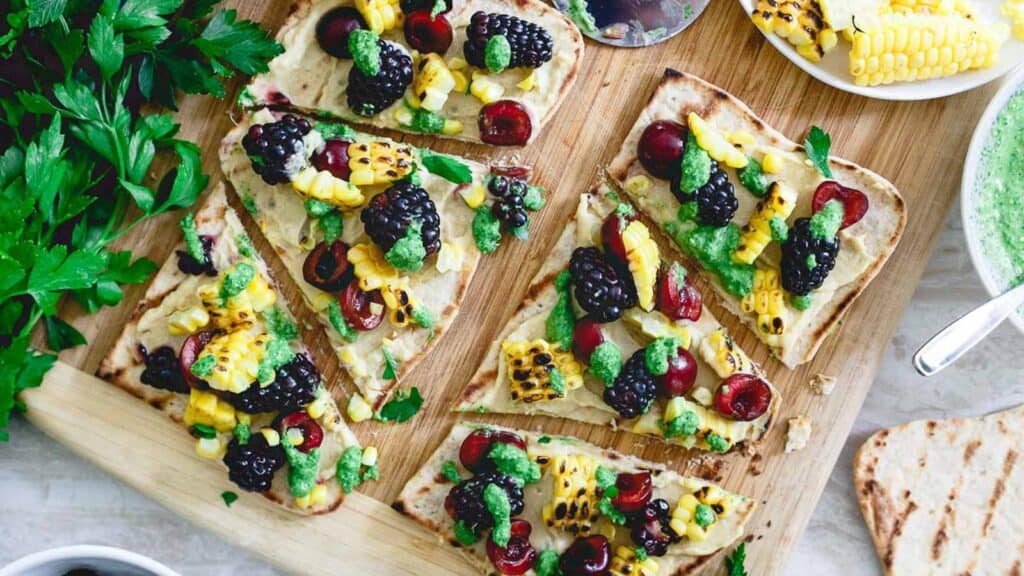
(586, 337)
(634, 491)
(334, 158)
(743, 397)
(312, 433)
(327, 266)
(660, 149)
(676, 297)
(190, 350)
(477, 446)
(611, 235)
(518, 555)
(334, 28)
(591, 556)
(428, 33)
(682, 373)
(855, 202)
(414, 5)
(505, 123)
(358, 307)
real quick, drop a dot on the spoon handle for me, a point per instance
(956, 339)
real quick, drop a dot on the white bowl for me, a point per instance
(104, 560)
(834, 67)
(969, 196)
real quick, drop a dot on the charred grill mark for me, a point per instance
(897, 531)
(998, 490)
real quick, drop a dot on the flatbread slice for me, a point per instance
(944, 496)
(173, 311)
(446, 92)
(558, 515)
(417, 305)
(690, 418)
(797, 328)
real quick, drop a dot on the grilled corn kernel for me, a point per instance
(698, 510)
(457, 63)
(714, 143)
(798, 21)
(654, 324)
(378, 162)
(211, 448)
(484, 88)
(771, 163)
(238, 355)
(573, 505)
(400, 304)
(434, 81)
(370, 266)
(528, 83)
(644, 261)
(1014, 10)
(718, 350)
(449, 258)
(757, 234)
(355, 364)
(530, 365)
(638, 185)
(768, 303)
(474, 195)
(316, 498)
(369, 456)
(380, 15)
(239, 310)
(317, 408)
(243, 418)
(625, 563)
(293, 436)
(741, 137)
(186, 322)
(272, 437)
(325, 187)
(452, 127)
(208, 409)
(902, 47)
(359, 410)
(461, 82)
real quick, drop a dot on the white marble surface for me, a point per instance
(49, 497)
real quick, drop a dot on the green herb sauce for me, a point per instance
(1000, 189)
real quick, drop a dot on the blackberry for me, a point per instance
(465, 500)
(510, 208)
(369, 95)
(294, 386)
(633, 390)
(601, 289)
(806, 259)
(531, 44)
(649, 528)
(716, 200)
(389, 215)
(191, 266)
(271, 147)
(163, 370)
(252, 465)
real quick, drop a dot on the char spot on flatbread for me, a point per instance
(938, 543)
(999, 490)
(398, 506)
(931, 424)
(969, 450)
(1015, 570)
(673, 73)
(897, 531)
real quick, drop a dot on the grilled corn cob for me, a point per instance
(699, 510)
(239, 310)
(625, 563)
(370, 266)
(433, 82)
(644, 260)
(325, 187)
(206, 408)
(380, 15)
(905, 47)
(800, 22)
(530, 367)
(757, 233)
(768, 303)
(378, 162)
(237, 355)
(714, 143)
(1014, 10)
(939, 7)
(718, 350)
(573, 504)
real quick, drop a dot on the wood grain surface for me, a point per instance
(918, 146)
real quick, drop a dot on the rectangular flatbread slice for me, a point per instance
(441, 92)
(765, 247)
(250, 384)
(385, 307)
(565, 495)
(539, 365)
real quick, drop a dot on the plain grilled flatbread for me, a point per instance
(173, 290)
(308, 79)
(945, 497)
(865, 245)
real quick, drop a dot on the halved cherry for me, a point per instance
(743, 397)
(428, 33)
(334, 158)
(327, 266)
(477, 446)
(518, 555)
(589, 556)
(190, 350)
(660, 148)
(334, 28)
(505, 123)
(312, 433)
(586, 337)
(855, 202)
(682, 373)
(676, 297)
(634, 491)
(611, 235)
(363, 311)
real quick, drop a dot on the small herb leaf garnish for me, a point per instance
(446, 167)
(229, 498)
(390, 365)
(402, 407)
(818, 145)
(734, 562)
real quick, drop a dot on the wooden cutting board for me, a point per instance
(919, 146)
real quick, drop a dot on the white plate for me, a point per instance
(968, 192)
(103, 560)
(834, 69)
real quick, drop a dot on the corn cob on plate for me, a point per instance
(423, 498)
(895, 49)
(247, 326)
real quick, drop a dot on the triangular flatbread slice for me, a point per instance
(231, 310)
(689, 418)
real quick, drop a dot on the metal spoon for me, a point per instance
(634, 23)
(956, 339)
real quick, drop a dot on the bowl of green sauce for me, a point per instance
(992, 192)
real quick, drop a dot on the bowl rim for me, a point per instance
(1012, 84)
(86, 552)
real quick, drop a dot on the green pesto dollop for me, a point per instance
(752, 178)
(606, 362)
(464, 535)
(696, 166)
(496, 501)
(498, 54)
(826, 222)
(302, 469)
(337, 320)
(534, 198)
(658, 353)
(687, 212)
(317, 208)
(779, 229)
(407, 254)
(704, 515)
(203, 366)
(811, 262)
(426, 121)
(557, 381)
(245, 247)
(802, 302)
(349, 469)
(236, 280)
(193, 245)
(242, 432)
(279, 325)
(605, 477)
(580, 14)
(685, 424)
(277, 353)
(561, 321)
(512, 460)
(365, 48)
(714, 247)
(450, 472)
(486, 230)
(423, 318)
(546, 563)
(717, 443)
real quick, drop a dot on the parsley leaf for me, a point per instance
(402, 407)
(60, 335)
(446, 167)
(817, 145)
(42, 12)
(229, 498)
(734, 561)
